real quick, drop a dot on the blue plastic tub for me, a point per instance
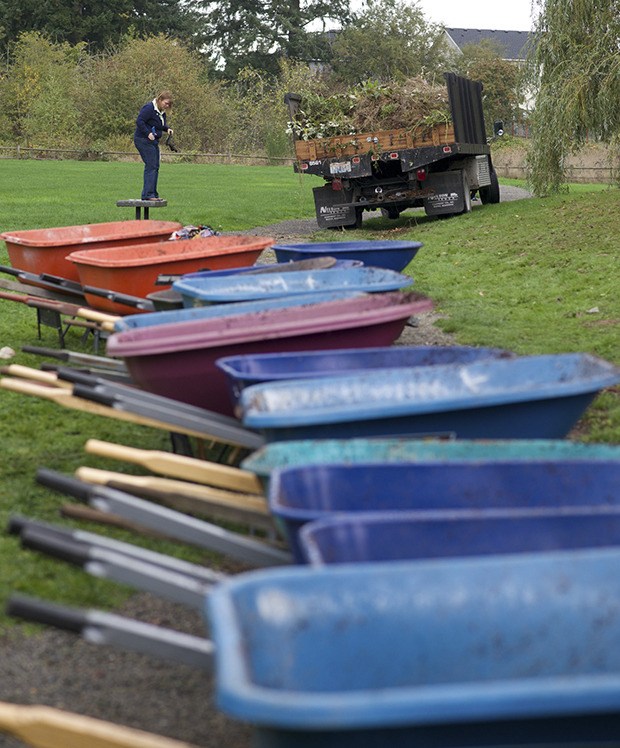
(401, 536)
(244, 371)
(392, 254)
(298, 495)
(529, 397)
(279, 455)
(270, 268)
(484, 651)
(133, 321)
(203, 291)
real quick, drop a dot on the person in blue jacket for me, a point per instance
(151, 124)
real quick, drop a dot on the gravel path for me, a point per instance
(57, 669)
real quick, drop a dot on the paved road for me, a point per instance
(302, 227)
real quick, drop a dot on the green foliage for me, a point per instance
(38, 92)
(98, 22)
(258, 35)
(112, 93)
(576, 67)
(503, 81)
(388, 40)
(372, 105)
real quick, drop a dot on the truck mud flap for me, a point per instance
(333, 207)
(448, 196)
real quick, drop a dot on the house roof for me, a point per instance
(512, 43)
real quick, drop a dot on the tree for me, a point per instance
(111, 93)
(249, 33)
(388, 39)
(502, 81)
(575, 66)
(96, 22)
(37, 92)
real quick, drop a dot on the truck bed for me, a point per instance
(376, 142)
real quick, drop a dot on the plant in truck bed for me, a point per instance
(371, 106)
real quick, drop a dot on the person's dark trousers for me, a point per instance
(149, 152)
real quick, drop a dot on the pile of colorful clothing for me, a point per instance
(189, 232)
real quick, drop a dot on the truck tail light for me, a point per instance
(421, 175)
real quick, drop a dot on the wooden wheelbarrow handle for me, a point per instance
(46, 727)
(179, 466)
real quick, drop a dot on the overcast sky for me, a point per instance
(508, 15)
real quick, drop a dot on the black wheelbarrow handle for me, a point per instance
(108, 629)
(167, 522)
(17, 525)
(214, 425)
(130, 393)
(106, 564)
(62, 354)
(120, 298)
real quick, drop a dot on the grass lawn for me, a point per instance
(535, 276)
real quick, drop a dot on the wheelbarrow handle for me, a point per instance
(121, 298)
(102, 628)
(179, 466)
(50, 614)
(64, 484)
(46, 727)
(66, 549)
(18, 524)
(169, 522)
(108, 564)
(82, 358)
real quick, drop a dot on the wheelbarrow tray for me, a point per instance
(217, 311)
(45, 250)
(244, 371)
(360, 537)
(313, 263)
(302, 494)
(529, 397)
(278, 455)
(170, 299)
(135, 270)
(202, 291)
(497, 650)
(178, 360)
(390, 254)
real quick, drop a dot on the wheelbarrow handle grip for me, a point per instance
(121, 298)
(40, 611)
(64, 282)
(66, 549)
(64, 483)
(18, 523)
(11, 270)
(51, 352)
(87, 392)
(76, 376)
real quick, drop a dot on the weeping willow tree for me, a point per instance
(575, 64)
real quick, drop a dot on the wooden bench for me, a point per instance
(139, 204)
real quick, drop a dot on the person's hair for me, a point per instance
(164, 95)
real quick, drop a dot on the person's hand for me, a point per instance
(151, 136)
(170, 131)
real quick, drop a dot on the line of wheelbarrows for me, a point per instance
(440, 561)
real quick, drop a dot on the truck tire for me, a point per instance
(391, 212)
(490, 194)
